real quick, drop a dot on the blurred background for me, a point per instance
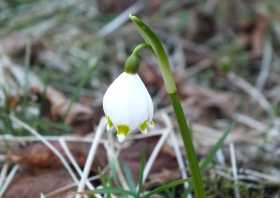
(57, 59)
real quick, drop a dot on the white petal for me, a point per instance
(127, 101)
(121, 137)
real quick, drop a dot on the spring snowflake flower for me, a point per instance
(128, 105)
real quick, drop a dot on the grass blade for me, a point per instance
(211, 155)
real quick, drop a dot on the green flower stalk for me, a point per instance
(128, 105)
(153, 42)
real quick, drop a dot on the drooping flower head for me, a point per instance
(128, 105)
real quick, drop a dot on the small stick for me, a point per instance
(2, 157)
(49, 145)
(265, 66)
(112, 157)
(251, 91)
(234, 170)
(11, 138)
(8, 180)
(73, 161)
(220, 157)
(157, 148)
(249, 122)
(90, 158)
(121, 19)
(69, 186)
(3, 174)
(42, 195)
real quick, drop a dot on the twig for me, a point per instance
(251, 91)
(265, 66)
(113, 157)
(11, 138)
(91, 155)
(2, 157)
(121, 19)
(250, 122)
(261, 176)
(3, 174)
(86, 139)
(175, 144)
(157, 147)
(49, 145)
(73, 161)
(220, 157)
(42, 195)
(234, 170)
(67, 187)
(8, 180)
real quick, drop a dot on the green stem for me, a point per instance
(137, 49)
(133, 61)
(187, 139)
(151, 39)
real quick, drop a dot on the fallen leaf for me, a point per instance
(201, 26)
(203, 103)
(150, 76)
(40, 156)
(30, 182)
(16, 44)
(81, 117)
(252, 34)
(37, 155)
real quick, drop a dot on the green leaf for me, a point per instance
(142, 166)
(110, 190)
(129, 177)
(167, 186)
(212, 153)
(150, 38)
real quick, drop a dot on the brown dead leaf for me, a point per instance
(165, 175)
(150, 76)
(204, 103)
(252, 34)
(201, 26)
(109, 6)
(40, 156)
(16, 45)
(30, 182)
(79, 116)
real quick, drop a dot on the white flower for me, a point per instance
(128, 105)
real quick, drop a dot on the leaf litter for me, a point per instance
(212, 96)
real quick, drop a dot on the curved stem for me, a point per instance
(137, 49)
(151, 39)
(133, 61)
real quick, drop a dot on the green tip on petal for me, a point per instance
(109, 122)
(143, 127)
(122, 129)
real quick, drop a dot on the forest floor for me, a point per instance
(57, 59)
